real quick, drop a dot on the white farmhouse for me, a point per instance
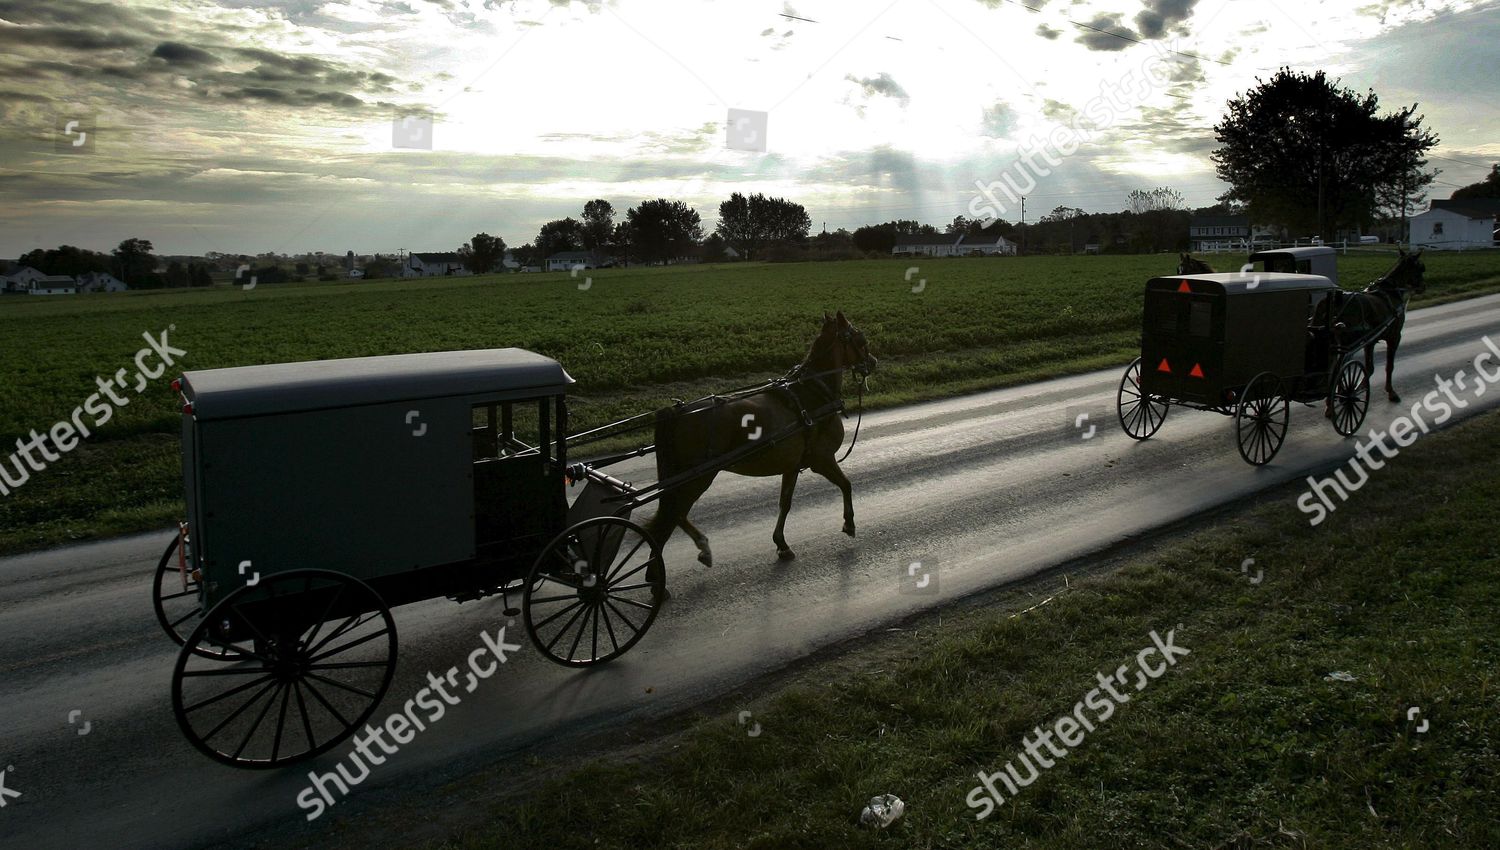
(20, 280)
(54, 284)
(435, 265)
(953, 245)
(100, 282)
(1457, 224)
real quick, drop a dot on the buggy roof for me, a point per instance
(325, 384)
(1241, 283)
(1296, 253)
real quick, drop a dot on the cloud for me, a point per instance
(881, 85)
(997, 120)
(1099, 37)
(174, 53)
(1047, 32)
(1153, 20)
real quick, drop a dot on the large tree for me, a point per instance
(483, 253)
(663, 230)
(135, 264)
(750, 224)
(1489, 187)
(1160, 198)
(564, 234)
(67, 260)
(598, 224)
(1301, 151)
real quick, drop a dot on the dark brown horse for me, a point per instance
(1382, 303)
(1188, 264)
(690, 437)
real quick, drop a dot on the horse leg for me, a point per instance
(1391, 343)
(705, 554)
(829, 468)
(788, 486)
(672, 512)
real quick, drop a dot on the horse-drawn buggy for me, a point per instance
(322, 494)
(1245, 344)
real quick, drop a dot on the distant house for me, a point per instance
(100, 282)
(952, 245)
(1219, 233)
(21, 279)
(568, 260)
(990, 246)
(355, 274)
(1457, 224)
(54, 284)
(446, 264)
(508, 262)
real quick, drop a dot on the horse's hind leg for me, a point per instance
(1391, 343)
(788, 486)
(671, 513)
(705, 554)
(829, 468)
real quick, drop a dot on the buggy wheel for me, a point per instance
(1141, 414)
(594, 591)
(176, 598)
(1261, 418)
(1349, 398)
(306, 656)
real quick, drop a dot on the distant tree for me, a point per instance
(881, 238)
(713, 249)
(750, 224)
(663, 230)
(526, 255)
(598, 224)
(622, 242)
(67, 260)
(177, 276)
(302, 268)
(134, 262)
(1061, 214)
(1302, 151)
(198, 275)
(564, 234)
(1489, 187)
(1160, 198)
(483, 253)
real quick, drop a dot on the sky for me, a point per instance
(288, 126)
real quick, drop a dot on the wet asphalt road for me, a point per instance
(981, 490)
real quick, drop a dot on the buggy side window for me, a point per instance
(510, 429)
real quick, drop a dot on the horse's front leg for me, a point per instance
(1390, 366)
(788, 486)
(829, 468)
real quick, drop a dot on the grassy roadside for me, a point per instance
(1245, 743)
(633, 340)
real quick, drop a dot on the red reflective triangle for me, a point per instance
(1184, 287)
(1164, 367)
(1197, 371)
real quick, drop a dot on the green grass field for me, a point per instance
(1245, 743)
(633, 339)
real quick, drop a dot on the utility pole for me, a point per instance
(1023, 224)
(1320, 191)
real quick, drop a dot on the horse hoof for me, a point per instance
(706, 559)
(849, 528)
(1395, 399)
(786, 555)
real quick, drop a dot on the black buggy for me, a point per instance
(1244, 345)
(322, 494)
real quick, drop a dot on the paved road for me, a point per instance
(982, 490)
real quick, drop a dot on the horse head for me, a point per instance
(1407, 274)
(839, 346)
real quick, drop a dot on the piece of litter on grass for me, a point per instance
(1339, 676)
(882, 811)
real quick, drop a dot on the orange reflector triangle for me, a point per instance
(1164, 367)
(1184, 287)
(1197, 371)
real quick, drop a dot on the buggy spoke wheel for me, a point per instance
(304, 630)
(1141, 413)
(176, 600)
(1261, 418)
(1349, 399)
(570, 604)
